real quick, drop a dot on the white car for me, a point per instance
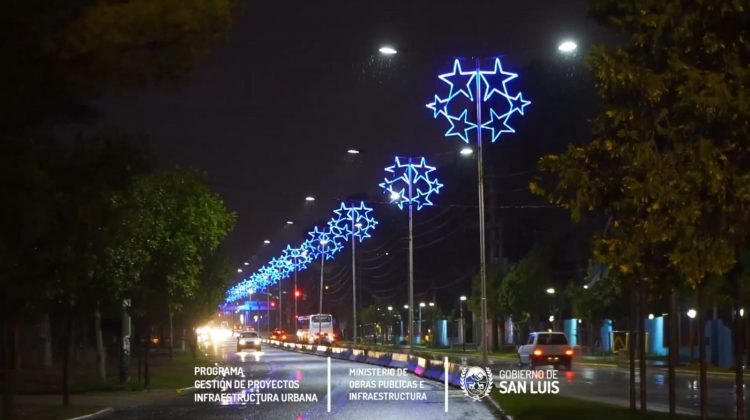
(248, 340)
(546, 348)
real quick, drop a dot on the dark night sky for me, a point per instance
(270, 113)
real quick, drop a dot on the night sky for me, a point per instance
(271, 112)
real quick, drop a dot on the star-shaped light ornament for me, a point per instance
(352, 220)
(321, 242)
(411, 182)
(497, 101)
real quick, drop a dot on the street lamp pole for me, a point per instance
(354, 285)
(482, 253)
(322, 268)
(412, 340)
(463, 324)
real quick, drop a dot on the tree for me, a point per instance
(522, 291)
(57, 54)
(669, 158)
(174, 222)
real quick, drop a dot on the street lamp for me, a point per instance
(410, 184)
(550, 291)
(489, 88)
(421, 305)
(387, 50)
(567, 47)
(466, 151)
(353, 151)
(462, 299)
(309, 198)
(266, 241)
(352, 222)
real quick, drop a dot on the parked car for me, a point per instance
(248, 340)
(546, 348)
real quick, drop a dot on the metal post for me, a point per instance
(354, 285)
(322, 267)
(480, 176)
(420, 324)
(410, 331)
(268, 313)
(281, 313)
(463, 325)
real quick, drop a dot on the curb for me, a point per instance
(93, 415)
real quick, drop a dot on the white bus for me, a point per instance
(316, 329)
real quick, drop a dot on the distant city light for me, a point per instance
(551, 318)
(386, 50)
(550, 291)
(567, 46)
(585, 286)
(463, 298)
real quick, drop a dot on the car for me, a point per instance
(546, 348)
(279, 335)
(248, 340)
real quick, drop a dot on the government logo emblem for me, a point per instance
(476, 382)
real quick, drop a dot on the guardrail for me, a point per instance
(420, 366)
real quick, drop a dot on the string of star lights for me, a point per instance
(410, 184)
(349, 222)
(479, 100)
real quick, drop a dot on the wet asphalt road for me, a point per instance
(611, 384)
(311, 372)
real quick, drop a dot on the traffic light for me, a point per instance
(297, 293)
(273, 304)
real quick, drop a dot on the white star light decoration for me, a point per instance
(417, 175)
(352, 220)
(460, 103)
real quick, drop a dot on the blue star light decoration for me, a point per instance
(321, 242)
(352, 220)
(414, 172)
(297, 258)
(458, 107)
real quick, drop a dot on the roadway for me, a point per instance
(311, 373)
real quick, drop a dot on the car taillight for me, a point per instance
(569, 352)
(283, 337)
(537, 352)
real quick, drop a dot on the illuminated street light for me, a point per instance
(390, 308)
(650, 316)
(246, 263)
(309, 198)
(353, 151)
(466, 151)
(465, 93)
(406, 306)
(395, 196)
(551, 318)
(386, 50)
(586, 286)
(550, 291)
(289, 222)
(432, 304)
(567, 47)
(239, 270)
(691, 313)
(463, 298)
(266, 241)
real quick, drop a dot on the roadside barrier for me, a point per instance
(420, 366)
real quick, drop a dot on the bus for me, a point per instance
(316, 329)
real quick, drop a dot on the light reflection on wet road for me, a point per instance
(610, 385)
(311, 371)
